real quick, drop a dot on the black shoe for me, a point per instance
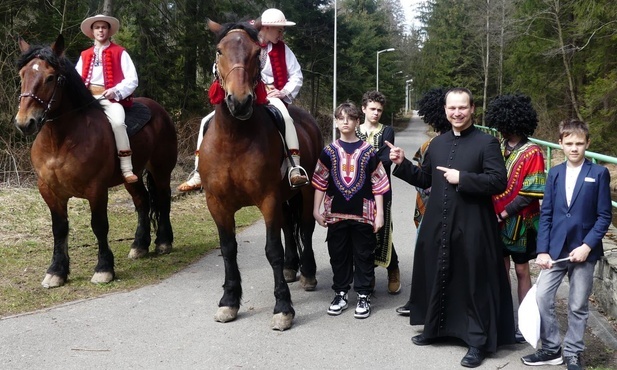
(421, 340)
(543, 357)
(403, 310)
(573, 362)
(473, 358)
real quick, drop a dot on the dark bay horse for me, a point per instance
(74, 155)
(240, 165)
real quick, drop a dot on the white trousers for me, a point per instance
(115, 114)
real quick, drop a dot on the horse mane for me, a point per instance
(78, 94)
(246, 26)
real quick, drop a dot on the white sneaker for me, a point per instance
(338, 304)
(363, 308)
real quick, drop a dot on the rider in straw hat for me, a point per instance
(109, 73)
(282, 75)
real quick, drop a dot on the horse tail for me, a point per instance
(294, 206)
(152, 197)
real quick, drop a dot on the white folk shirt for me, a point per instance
(123, 89)
(294, 72)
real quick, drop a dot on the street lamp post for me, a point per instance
(407, 105)
(379, 52)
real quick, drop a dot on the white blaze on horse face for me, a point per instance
(35, 66)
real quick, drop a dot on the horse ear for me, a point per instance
(257, 24)
(23, 45)
(213, 26)
(58, 45)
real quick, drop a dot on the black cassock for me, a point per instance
(459, 286)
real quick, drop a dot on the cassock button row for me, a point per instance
(568, 215)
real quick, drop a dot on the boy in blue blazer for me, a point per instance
(575, 216)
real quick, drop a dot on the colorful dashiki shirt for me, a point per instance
(526, 177)
(351, 175)
(421, 194)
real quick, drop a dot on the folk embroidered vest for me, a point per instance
(112, 68)
(279, 65)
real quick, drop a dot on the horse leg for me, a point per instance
(58, 271)
(292, 261)
(104, 270)
(141, 243)
(159, 191)
(283, 310)
(308, 267)
(232, 287)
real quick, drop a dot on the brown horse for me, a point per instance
(74, 155)
(240, 163)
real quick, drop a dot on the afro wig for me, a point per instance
(512, 114)
(432, 111)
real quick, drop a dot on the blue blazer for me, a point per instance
(586, 220)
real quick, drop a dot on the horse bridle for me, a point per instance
(222, 79)
(59, 82)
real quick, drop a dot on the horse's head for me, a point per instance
(237, 66)
(46, 77)
(40, 84)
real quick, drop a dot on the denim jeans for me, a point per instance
(580, 276)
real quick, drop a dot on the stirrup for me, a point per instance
(302, 173)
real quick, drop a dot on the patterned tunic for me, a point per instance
(377, 139)
(351, 175)
(527, 178)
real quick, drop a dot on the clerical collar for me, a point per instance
(465, 132)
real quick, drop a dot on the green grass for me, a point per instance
(27, 245)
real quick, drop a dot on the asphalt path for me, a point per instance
(170, 325)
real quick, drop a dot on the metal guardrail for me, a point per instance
(548, 150)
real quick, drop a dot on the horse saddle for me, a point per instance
(277, 117)
(137, 116)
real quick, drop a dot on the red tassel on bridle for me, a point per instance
(217, 94)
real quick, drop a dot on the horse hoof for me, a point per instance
(52, 281)
(308, 283)
(281, 321)
(102, 277)
(137, 253)
(226, 314)
(290, 275)
(163, 248)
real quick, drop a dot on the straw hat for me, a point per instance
(276, 18)
(114, 24)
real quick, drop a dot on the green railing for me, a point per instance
(548, 150)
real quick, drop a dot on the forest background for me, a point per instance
(560, 52)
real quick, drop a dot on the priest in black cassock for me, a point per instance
(459, 288)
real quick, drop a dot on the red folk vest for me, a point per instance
(112, 68)
(279, 65)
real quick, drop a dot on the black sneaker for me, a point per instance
(573, 362)
(543, 357)
(338, 304)
(363, 308)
